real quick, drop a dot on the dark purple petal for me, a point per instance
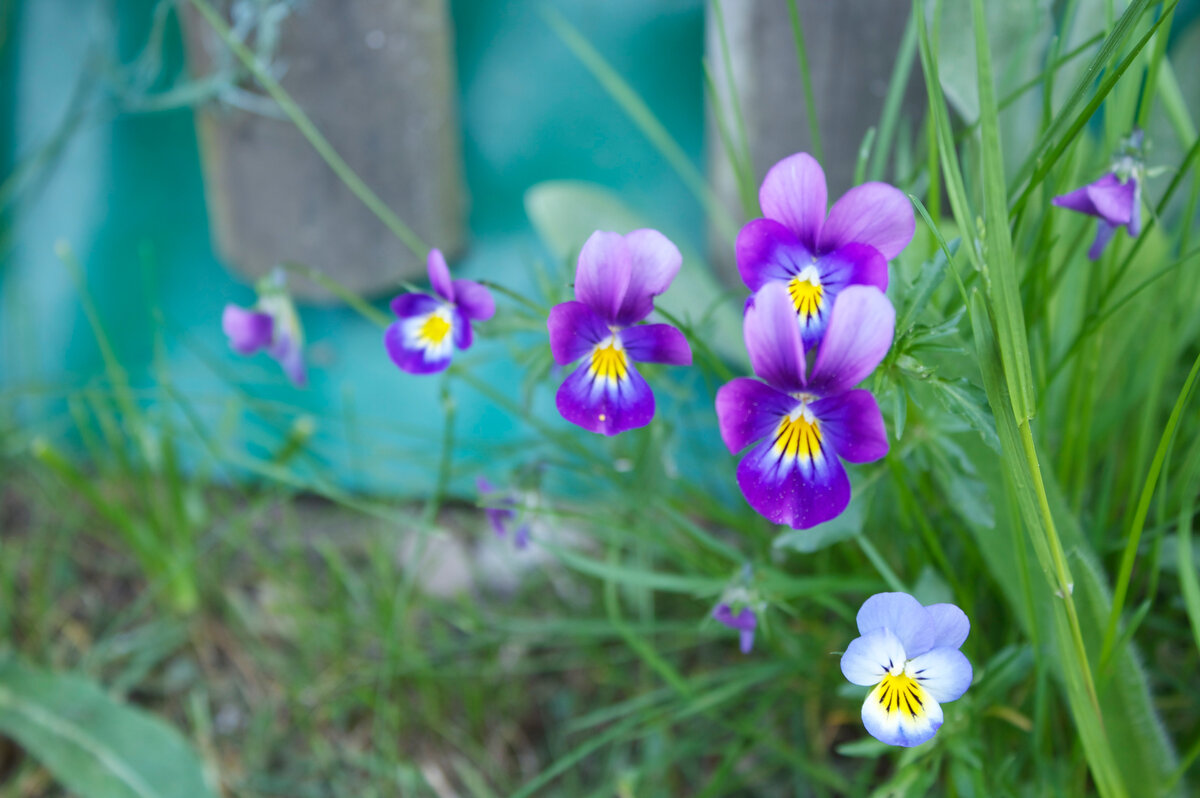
(656, 343)
(950, 625)
(744, 622)
(853, 425)
(860, 331)
(797, 486)
(408, 305)
(463, 335)
(903, 615)
(291, 357)
(1104, 234)
(773, 339)
(749, 410)
(574, 330)
(853, 264)
(794, 193)
(1112, 199)
(439, 275)
(873, 213)
(248, 330)
(605, 398)
(602, 274)
(406, 352)
(474, 300)
(766, 250)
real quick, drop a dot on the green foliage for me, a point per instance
(95, 746)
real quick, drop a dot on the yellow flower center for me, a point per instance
(435, 328)
(901, 693)
(806, 292)
(798, 435)
(608, 362)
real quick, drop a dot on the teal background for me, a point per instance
(126, 193)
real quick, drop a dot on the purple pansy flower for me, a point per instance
(502, 516)
(272, 325)
(745, 622)
(616, 280)
(816, 256)
(1115, 199)
(910, 655)
(800, 422)
(429, 327)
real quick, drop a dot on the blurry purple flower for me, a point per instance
(744, 622)
(817, 255)
(616, 280)
(501, 517)
(801, 423)
(910, 655)
(272, 325)
(1115, 199)
(422, 341)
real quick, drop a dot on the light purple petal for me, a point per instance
(248, 330)
(903, 615)
(474, 300)
(521, 536)
(408, 355)
(749, 410)
(797, 488)
(772, 338)
(439, 275)
(1104, 234)
(574, 329)
(794, 193)
(653, 263)
(870, 657)
(1078, 200)
(873, 213)
(603, 273)
(853, 425)
(950, 625)
(766, 250)
(1112, 199)
(291, 357)
(407, 306)
(604, 404)
(859, 334)
(656, 343)
(944, 672)
(898, 727)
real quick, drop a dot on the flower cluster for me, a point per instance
(1115, 199)
(910, 655)
(271, 325)
(818, 282)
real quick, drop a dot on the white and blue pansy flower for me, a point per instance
(910, 655)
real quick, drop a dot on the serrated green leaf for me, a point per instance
(969, 403)
(94, 745)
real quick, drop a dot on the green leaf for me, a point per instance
(847, 525)
(94, 745)
(969, 403)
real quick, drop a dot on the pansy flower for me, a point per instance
(501, 514)
(1115, 199)
(802, 423)
(422, 341)
(616, 280)
(910, 655)
(817, 255)
(271, 325)
(745, 621)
